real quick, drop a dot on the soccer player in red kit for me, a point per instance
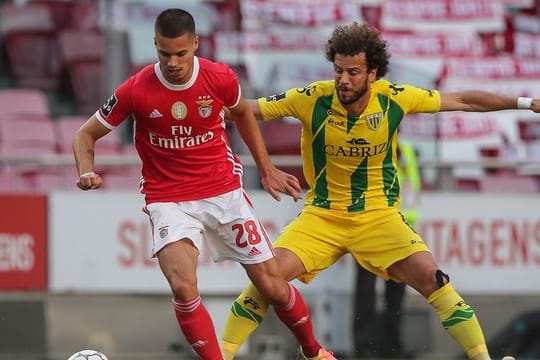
(192, 181)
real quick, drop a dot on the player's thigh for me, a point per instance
(316, 238)
(382, 239)
(170, 223)
(178, 262)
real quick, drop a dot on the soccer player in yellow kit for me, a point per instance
(348, 145)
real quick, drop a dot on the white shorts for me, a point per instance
(226, 223)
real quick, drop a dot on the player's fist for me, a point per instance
(89, 181)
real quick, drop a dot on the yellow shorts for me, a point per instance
(376, 239)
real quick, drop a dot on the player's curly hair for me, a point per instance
(350, 40)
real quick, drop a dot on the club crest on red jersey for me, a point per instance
(179, 110)
(205, 109)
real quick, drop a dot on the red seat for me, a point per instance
(123, 178)
(61, 12)
(27, 135)
(283, 138)
(30, 136)
(509, 184)
(24, 102)
(66, 126)
(467, 184)
(129, 149)
(31, 47)
(6, 180)
(82, 54)
(495, 152)
(44, 181)
(68, 14)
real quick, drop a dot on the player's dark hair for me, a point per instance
(350, 40)
(173, 23)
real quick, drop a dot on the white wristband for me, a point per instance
(87, 174)
(524, 102)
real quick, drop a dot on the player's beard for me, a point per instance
(357, 95)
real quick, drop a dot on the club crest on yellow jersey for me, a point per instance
(374, 120)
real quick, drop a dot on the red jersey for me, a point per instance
(180, 130)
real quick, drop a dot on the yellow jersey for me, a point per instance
(350, 161)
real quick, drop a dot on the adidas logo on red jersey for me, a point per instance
(155, 114)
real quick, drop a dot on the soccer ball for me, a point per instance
(88, 355)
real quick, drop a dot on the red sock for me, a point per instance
(198, 328)
(296, 316)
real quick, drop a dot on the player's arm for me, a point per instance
(83, 150)
(253, 105)
(255, 108)
(273, 179)
(482, 101)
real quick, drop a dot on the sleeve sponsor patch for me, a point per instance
(108, 106)
(277, 97)
(308, 90)
(396, 89)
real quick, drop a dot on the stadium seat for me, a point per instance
(65, 128)
(495, 152)
(466, 184)
(27, 137)
(31, 46)
(508, 184)
(82, 54)
(372, 15)
(68, 14)
(6, 180)
(282, 137)
(23, 102)
(230, 15)
(44, 181)
(129, 149)
(122, 178)
(60, 11)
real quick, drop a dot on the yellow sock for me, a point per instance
(246, 314)
(459, 320)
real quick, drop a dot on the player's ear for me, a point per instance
(372, 75)
(195, 43)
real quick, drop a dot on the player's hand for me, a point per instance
(89, 181)
(535, 105)
(276, 181)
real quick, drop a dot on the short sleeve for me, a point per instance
(416, 100)
(288, 103)
(231, 88)
(118, 106)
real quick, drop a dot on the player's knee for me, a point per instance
(441, 278)
(184, 290)
(277, 293)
